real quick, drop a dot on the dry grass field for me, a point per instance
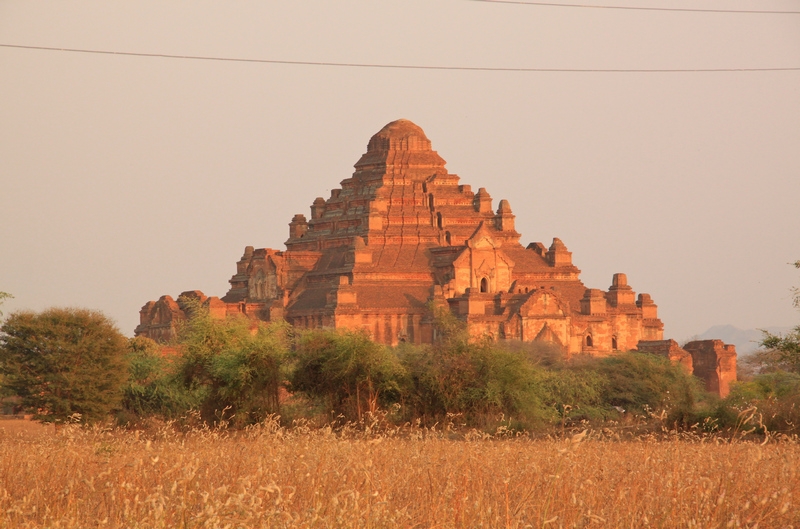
(273, 477)
(16, 427)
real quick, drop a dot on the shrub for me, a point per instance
(571, 394)
(779, 353)
(772, 398)
(153, 388)
(543, 354)
(347, 370)
(475, 378)
(638, 382)
(234, 365)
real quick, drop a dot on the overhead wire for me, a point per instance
(641, 8)
(396, 66)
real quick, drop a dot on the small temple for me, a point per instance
(401, 235)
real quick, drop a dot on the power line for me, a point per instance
(397, 66)
(639, 8)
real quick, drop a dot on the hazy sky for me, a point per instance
(124, 178)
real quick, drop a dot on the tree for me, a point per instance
(63, 362)
(4, 392)
(776, 397)
(782, 352)
(460, 374)
(3, 296)
(346, 369)
(234, 365)
(638, 381)
(478, 379)
(153, 387)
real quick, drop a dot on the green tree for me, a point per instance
(153, 388)
(571, 393)
(4, 391)
(233, 365)
(773, 399)
(782, 351)
(62, 362)
(640, 381)
(3, 296)
(347, 370)
(474, 377)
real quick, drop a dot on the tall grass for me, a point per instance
(268, 476)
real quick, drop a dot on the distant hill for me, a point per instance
(745, 340)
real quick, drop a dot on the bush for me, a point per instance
(779, 353)
(153, 388)
(774, 385)
(642, 383)
(477, 379)
(347, 370)
(574, 394)
(773, 399)
(235, 366)
(543, 354)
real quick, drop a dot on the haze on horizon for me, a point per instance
(123, 178)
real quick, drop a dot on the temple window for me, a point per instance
(614, 343)
(484, 285)
(439, 220)
(589, 341)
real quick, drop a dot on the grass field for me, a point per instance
(273, 477)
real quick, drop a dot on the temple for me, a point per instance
(402, 235)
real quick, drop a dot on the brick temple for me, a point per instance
(401, 235)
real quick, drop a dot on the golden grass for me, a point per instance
(272, 477)
(15, 427)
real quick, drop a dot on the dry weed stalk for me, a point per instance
(368, 476)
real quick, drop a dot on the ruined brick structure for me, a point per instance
(668, 349)
(710, 360)
(402, 233)
(715, 363)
